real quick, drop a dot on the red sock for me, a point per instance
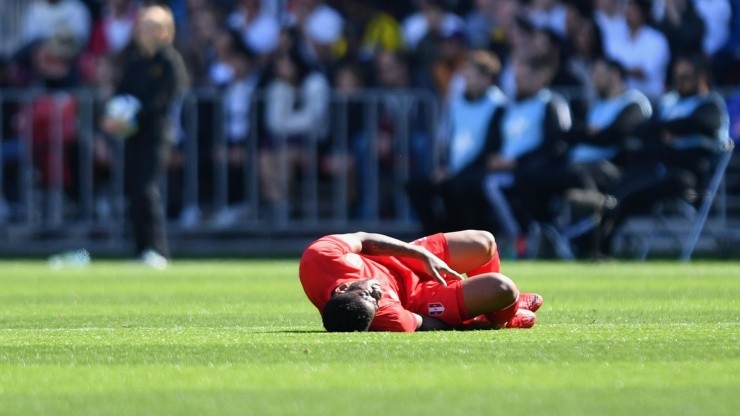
(493, 265)
(502, 316)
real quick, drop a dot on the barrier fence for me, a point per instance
(58, 171)
(61, 176)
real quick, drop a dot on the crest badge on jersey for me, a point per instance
(436, 309)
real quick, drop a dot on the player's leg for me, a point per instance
(473, 252)
(492, 295)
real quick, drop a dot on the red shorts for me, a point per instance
(429, 298)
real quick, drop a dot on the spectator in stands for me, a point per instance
(52, 68)
(401, 122)
(548, 14)
(597, 148)
(722, 38)
(481, 22)
(678, 147)
(451, 198)
(609, 15)
(319, 28)
(113, 30)
(259, 28)
(490, 25)
(586, 46)
(201, 52)
(447, 69)
(349, 126)
(431, 15)
(296, 116)
(598, 142)
(518, 48)
(526, 164)
(716, 15)
(426, 51)
(234, 154)
(370, 30)
(155, 76)
(548, 46)
(644, 51)
(46, 18)
(682, 26)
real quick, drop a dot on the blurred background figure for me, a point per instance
(113, 30)
(296, 116)
(644, 50)
(259, 27)
(599, 144)
(452, 198)
(153, 74)
(46, 18)
(234, 153)
(679, 144)
(525, 167)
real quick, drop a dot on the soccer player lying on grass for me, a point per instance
(363, 281)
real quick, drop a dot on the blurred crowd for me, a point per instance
(71, 43)
(300, 52)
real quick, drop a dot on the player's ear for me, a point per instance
(341, 288)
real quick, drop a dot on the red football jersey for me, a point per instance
(328, 262)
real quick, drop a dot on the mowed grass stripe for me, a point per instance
(238, 337)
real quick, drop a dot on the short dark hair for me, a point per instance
(615, 65)
(347, 312)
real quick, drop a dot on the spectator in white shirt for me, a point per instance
(644, 51)
(609, 16)
(550, 14)
(45, 18)
(716, 15)
(259, 28)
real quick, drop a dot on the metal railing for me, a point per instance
(51, 180)
(54, 182)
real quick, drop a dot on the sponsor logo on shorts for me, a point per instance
(436, 309)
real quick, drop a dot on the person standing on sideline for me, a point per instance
(153, 77)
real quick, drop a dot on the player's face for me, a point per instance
(368, 290)
(602, 80)
(476, 82)
(685, 79)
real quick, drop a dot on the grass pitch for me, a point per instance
(239, 338)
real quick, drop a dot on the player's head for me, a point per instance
(608, 76)
(531, 75)
(690, 75)
(480, 71)
(155, 28)
(352, 307)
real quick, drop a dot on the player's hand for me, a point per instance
(439, 269)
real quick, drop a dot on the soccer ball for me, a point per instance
(124, 108)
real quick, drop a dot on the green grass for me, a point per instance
(238, 337)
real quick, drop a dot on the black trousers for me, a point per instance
(145, 164)
(456, 203)
(637, 192)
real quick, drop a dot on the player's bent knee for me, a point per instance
(506, 289)
(488, 241)
(489, 292)
(482, 240)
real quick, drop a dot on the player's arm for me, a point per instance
(372, 244)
